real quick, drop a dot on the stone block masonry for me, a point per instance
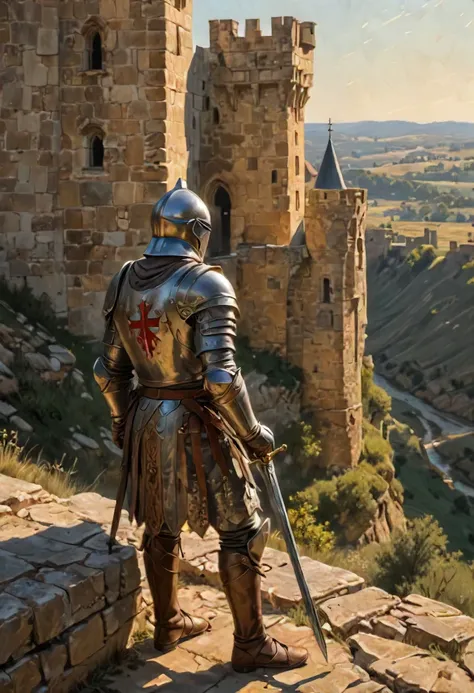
(66, 605)
(246, 134)
(91, 135)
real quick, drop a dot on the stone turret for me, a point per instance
(250, 167)
(335, 284)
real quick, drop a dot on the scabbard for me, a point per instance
(122, 489)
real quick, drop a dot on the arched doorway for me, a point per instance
(220, 237)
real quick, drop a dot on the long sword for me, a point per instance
(267, 469)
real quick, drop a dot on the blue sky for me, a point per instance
(375, 59)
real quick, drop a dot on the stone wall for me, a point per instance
(66, 605)
(31, 240)
(70, 219)
(247, 96)
(308, 302)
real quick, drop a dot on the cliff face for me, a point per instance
(421, 329)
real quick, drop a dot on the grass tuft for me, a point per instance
(15, 462)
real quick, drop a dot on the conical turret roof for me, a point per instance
(330, 175)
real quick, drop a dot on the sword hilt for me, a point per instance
(271, 455)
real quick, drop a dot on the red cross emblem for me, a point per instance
(147, 339)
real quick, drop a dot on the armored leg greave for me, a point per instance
(161, 556)
(241, 577)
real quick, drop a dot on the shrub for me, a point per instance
(375, 448)
(421, 258)
(410, 556)
(307, 531)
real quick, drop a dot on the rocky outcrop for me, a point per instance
(66, 606)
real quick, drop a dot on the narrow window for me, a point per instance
(204, 86)
(96, 152)
(216, 116)
(178, 40)
(360, 251)
(274, 176)
(296, 138)
(207, 103)
(194, 122)
(252, 164)
(297, 200)
(297, 165)
(327, 291)
(95, 62)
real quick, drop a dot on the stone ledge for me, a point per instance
(279, 587)
(65, 604)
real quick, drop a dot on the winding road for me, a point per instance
(428, 415)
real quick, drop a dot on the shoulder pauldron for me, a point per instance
(114, 290)
(204, 287)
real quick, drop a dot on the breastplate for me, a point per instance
(157, 339)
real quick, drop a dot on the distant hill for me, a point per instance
(393, 128)
(369, 137)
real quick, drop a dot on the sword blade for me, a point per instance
(278, 506)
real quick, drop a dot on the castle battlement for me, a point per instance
(288, 34)
(349, 197)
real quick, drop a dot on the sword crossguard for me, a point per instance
(271, 455)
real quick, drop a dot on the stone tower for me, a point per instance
(91, 135)
(246, 129)
(334, 284)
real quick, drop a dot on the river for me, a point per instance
(429, 416)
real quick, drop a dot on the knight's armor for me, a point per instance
(171, 320)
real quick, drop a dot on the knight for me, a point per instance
(171, 327)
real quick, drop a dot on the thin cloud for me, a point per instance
(394, 19)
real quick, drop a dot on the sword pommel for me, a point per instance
(271, 455)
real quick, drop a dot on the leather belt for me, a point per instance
(168, 393)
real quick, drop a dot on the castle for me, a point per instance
(104, 105)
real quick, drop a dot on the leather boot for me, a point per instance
(241, 578)
(172, 625)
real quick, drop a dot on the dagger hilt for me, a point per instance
(271, 455)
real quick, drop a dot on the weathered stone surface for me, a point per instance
(10, 488)
(53, 661)
(6, 410)
(85, 441)
(65, 525)
(25, 674)
(121, 612)
(85, 639)
(280, 587)
(6, 684)
(42, 551)
(21, 424)
(345, 613)
(12, 567)
(84, 586)
(369, 648)
(110, 566)
(15, 625)
(390, 628)
(50, 607)
(39, 362)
